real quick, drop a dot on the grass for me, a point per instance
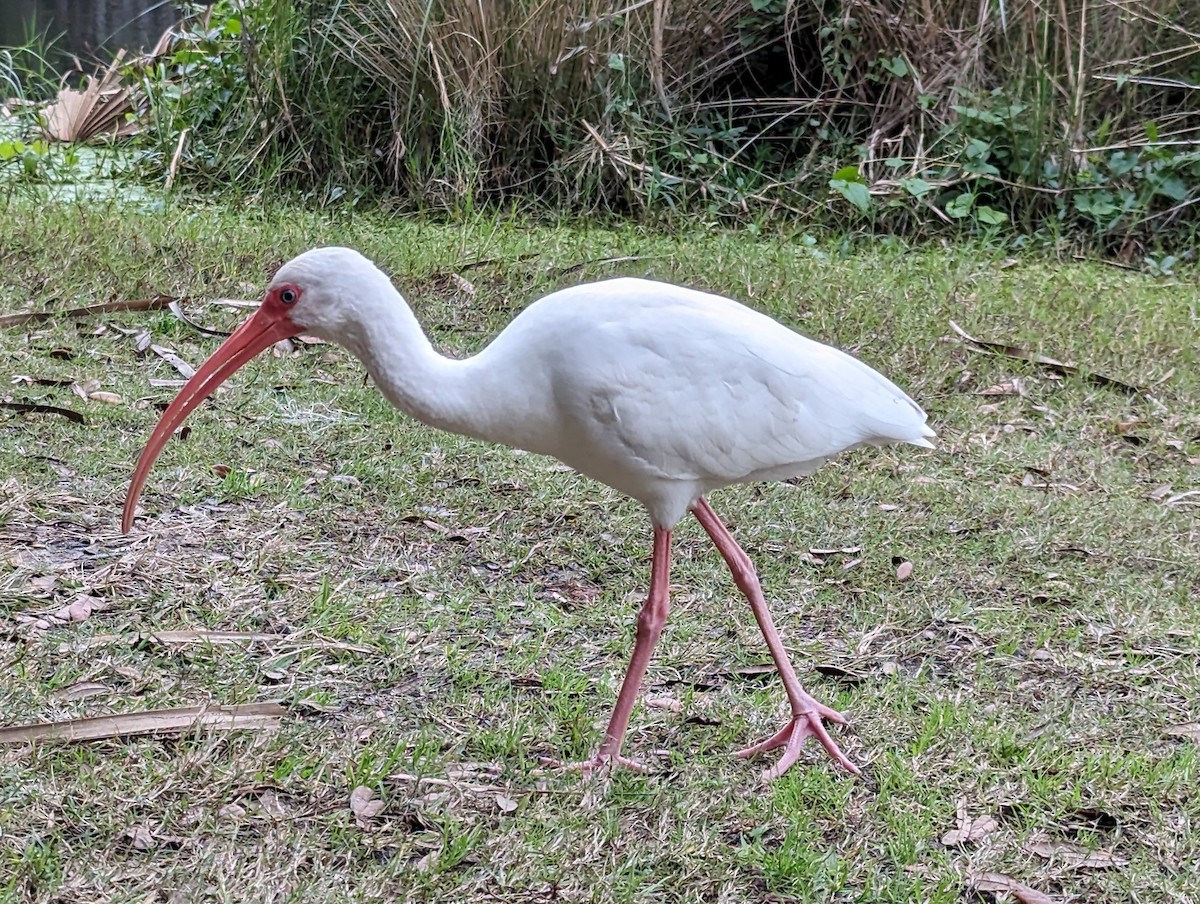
(485, 600)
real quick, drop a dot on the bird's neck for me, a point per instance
(439, 391)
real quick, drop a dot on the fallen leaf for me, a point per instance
(668, 703)
(425, 863)
(177, 310)
(1180, 497)
(271, 805)
(139, 838)
(1077, 857)
(44, 583)
(110, 398)
(84, 388)
(752, 671)
(79, 610)
(998, 882)
(1015, 386)
(904, 571)
(248, 716)
(839, 673)
(33, 408)
(186, 370)
(1061, 367)
(232, 812)
(506, 804)
(463, 285)
(1186, 730)
(156, 303)
(970, 828)
(365, 805)
(81, 690)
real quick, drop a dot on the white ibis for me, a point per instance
(661, 392)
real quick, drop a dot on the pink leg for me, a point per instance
(649, 626)
(806, 712)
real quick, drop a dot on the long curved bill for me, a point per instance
(261, 331)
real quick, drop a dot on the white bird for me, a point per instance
(662, 392)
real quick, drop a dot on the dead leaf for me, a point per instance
(1180, 497)
(1013, 351)
(667, 703)
(1186, 730)
(506, 804)
(103, 107)
(81, 690)
(998, 882)
(904, 571)
(177, 310)
(752, 671)
(463, 285)
(33, 408)
(271, 805)
(139, 838)
(365, 805)
(110, 398)
(970, 828)
(840, 674)
(248, 716)
(172, 638)
(157, 303)
(426, 863)
(84, 388)
(1015, 386)
(79, 610)
(185, 369)
(232, 812)
(1077, 857)
(44, 583)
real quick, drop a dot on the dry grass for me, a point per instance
(1031, 671)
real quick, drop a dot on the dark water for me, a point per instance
(88, 29)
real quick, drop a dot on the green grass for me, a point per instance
(1029, 670)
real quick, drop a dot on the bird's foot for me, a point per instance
(601, 763)
(791, 738)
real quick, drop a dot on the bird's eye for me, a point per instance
(289, 296)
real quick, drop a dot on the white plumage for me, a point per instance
(663, 392)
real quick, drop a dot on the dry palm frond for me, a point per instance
(101, 108)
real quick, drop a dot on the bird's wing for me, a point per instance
(727, 395)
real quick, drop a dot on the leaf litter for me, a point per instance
(241, 717)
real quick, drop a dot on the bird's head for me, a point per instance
(325, 292)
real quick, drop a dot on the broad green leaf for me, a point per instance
(990, 216)
(961, 206)
(916, 186)
(848, 174)
(1172, 187)
(854, 192)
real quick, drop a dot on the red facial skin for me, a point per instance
(270, 323)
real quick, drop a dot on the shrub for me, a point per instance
(1078, 114)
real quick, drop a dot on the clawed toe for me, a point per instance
(792, 736)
